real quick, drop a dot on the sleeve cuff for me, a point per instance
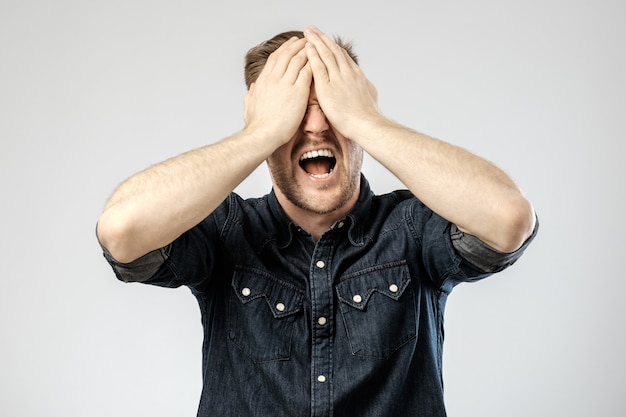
(141, 269)
(483, 256)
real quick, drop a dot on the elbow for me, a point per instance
(113, 237)
(518, 225)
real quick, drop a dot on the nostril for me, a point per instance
(317, 133)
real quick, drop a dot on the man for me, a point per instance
(320, 298)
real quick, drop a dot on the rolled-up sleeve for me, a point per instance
(483, 256)
(141, 269)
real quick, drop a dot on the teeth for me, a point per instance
(314, 154)
(321, 176)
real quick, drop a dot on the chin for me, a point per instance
(323, 203)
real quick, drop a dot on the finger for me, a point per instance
(296, 65)
(333, 55)
(280, 59)
(323, 50)
(318, 68)
(273, 57)
(305, 76)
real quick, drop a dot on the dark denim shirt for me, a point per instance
(349, 326)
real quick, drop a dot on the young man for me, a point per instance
(319, 298)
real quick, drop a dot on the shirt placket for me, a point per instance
(322, 316)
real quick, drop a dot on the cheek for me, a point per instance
(356, 156)
(280, 156)
(279, 164)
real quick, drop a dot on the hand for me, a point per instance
(345, 94)
(276, 102)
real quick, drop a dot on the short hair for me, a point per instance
(257, 56)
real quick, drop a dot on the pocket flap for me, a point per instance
(283, 298)
(390, 280)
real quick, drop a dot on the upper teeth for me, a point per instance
(315, 154)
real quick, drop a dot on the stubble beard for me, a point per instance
(325, 203)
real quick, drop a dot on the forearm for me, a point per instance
(155, 206)
(463, 188)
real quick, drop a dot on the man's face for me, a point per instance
(318, 170)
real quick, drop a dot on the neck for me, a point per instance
(316, 224)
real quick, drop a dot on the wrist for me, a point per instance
(263, 139)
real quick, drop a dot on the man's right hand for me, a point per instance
(276, 102)
(155, 206)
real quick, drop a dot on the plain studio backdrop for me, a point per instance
(94, 91)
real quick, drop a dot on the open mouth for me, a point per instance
(318, 164)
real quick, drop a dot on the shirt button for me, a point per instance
(245, 292)
(321, 378)
(320, 264)
(357, 298)
(393, 288)
(321, 321)
(280, 307)
(340, 225)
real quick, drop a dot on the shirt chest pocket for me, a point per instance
(379, 309)
(262, 314)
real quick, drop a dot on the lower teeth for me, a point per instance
(321, 176)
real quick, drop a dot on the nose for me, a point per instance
(315, 122)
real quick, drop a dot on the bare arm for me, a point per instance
(463, 188)
(152, 208)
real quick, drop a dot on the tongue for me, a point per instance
(317, 166)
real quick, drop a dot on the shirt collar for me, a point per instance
(360, 212)
(356, 218)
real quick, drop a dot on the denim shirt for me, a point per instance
(351, 325)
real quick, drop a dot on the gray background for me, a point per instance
(93, 91)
